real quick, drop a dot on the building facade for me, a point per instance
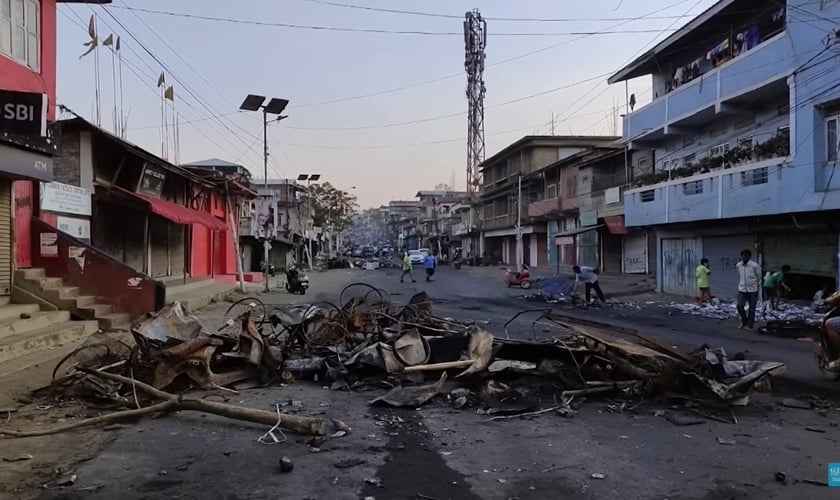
(511, 181)
(27, 145)
(739, 147)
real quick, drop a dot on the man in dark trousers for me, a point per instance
(589, 278)
(749, 273)
(430, 262)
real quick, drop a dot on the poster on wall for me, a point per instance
(264, 220)
(49, 245)
(151, 181)
(75, 227)
(64, 198)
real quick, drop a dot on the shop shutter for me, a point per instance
(635, 253)
(108, 228)
(588, 248)
(133, 225)
(813, 254)
(159, 239)
(680, 257)
(5, 236)
(723, 253)
(611, 251)
(177, 251)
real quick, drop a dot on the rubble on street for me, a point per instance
(787, 312)
(402, 352)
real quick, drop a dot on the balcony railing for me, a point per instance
(776, 147)
(551, 207)
(500, 222)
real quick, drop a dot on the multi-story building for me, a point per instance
(438, 218)
(739, 147)
(27, 144)
(509, 187)
(581, 204)
(402, 223)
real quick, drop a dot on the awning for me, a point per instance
(615, 224)
(178, 214)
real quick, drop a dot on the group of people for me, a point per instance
(751, 280)
(429, 263)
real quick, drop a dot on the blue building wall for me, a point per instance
(796, 63)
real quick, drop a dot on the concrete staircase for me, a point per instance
(26, 331)
(33, 286)
(197, 293)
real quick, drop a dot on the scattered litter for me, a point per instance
(796, 403)
(18, 458)
(726, 441)
(815, 429)
(374, 482)
(597, 475)
(681, 421)
(728, 310)
(286, 464)
(780, 477)
(350, 462)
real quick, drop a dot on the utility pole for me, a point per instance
(274, 107)
(309, 178)
(475, 42)
(519, 249)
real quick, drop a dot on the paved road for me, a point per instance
(437, 452)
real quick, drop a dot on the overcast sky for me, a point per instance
(363, 142)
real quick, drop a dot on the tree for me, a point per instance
(330, 206)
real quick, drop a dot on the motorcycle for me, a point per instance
(457, 262)
(826, 356)
(296, 282)
(521, 279)
(271, 271)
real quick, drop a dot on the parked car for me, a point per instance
(416, 257)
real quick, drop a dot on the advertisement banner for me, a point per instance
(264, 220)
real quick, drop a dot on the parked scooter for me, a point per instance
(296, 281)
(521, 279)
(457, 261)
(271, 271)
(826, 356)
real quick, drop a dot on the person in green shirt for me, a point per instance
(702, 273)
(774, 284)
(406, 268)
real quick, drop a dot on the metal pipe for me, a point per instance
(267, 242)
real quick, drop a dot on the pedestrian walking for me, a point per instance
(406, 268)
(589, 277)
(702, 273)
(774, 285)
(749, 273)
(430, 262)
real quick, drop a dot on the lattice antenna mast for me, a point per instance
(475, 41)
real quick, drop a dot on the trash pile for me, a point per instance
(368, 342)
(787, 313)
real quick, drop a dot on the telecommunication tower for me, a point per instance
(475, 40)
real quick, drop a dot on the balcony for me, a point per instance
(552, 207)
(758, 73)
(501, 222)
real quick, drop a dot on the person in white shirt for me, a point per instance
(748, 285)
(589, 277)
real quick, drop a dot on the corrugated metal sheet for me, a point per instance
(108, 227)
(635, 253)
(133, 224)
(588, 249)
(159, 238)
(723, 253)
(5, 236)
(680, 257)
(806, 253)
(177, 252)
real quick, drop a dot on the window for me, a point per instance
(754, 177)
(693, 187)
(831, 137)
(745, 142)
(647, 196)
(688, 159)
(642, 164)
(551, 191)
(19, 31)
(718, 150)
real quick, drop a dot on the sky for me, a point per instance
(380, 114)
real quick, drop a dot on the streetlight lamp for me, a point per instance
(309, 178)
(274, 107)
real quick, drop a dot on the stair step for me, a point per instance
(114, 321)
(94, 311)
(31, 273)
(5, 300)
(21, 344)
(83, 301)
(50, 283)
(38, 320)
(13, 311)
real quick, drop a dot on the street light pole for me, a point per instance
(309, 178)
(275, 106)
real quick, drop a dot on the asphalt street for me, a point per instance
(438, 452)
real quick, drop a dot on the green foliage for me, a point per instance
(330, 206)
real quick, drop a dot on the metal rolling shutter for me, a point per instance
(5, 236)
(635, 253)
(177, 253)
(806, 253)
(680, 257)
(159, 239)
(587, 243)
(723, 253)
(108, 228)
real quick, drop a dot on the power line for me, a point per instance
(504, 19)
(365, 30)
